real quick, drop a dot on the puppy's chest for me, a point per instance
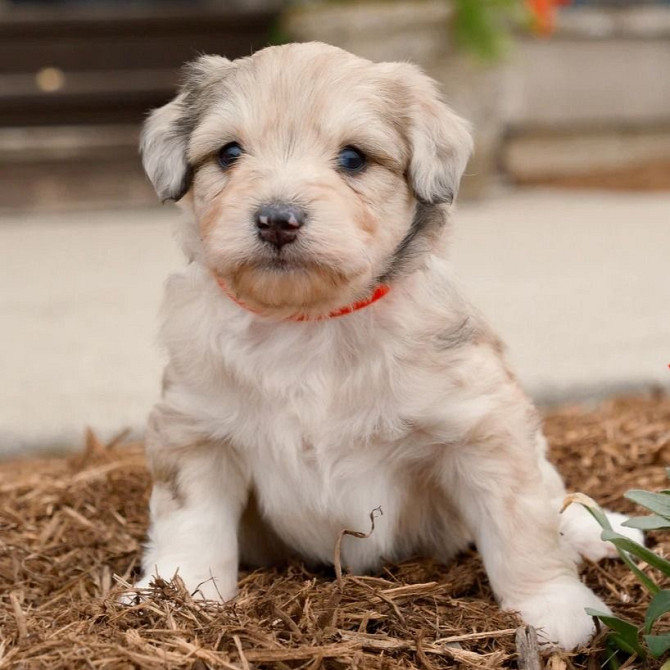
(324, 437)
(320, 460)
(319, 416)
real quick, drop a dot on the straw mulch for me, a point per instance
(70, 526)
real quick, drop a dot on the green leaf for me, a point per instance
(632, 547)
(612, 660)
(597, 513)
(658, 503)
(666, 665)
(483, 27)
(658, 644)
(659, 605)
(623, 644)
(652, 522)
(624, 634)
(476, 29)
(591, 507)
(627, 546)
(597, 613)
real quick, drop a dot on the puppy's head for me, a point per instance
(312, 174)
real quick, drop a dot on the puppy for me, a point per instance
(322, 360)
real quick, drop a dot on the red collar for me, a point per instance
(380, 291)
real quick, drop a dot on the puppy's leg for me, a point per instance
(500, 480)
(196, 503)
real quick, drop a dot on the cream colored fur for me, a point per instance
(274, 435)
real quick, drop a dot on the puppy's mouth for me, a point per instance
(283, 284)
(294, 258)
(280, 263)
(286, 270)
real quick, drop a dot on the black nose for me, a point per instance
(278, 224)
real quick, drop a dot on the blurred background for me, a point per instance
(563, 224)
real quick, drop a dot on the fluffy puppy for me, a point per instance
(322, 361)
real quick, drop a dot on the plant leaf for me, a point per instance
(658, 503)
(652, 522)
(658, 644)
(632, 547)
(623, 644)
(659, 605)
(597, 613)
(625, 547)
(476, 27)
(612, 661)
(625, 634)
(597, 513)
(643, 578)
(591, 506)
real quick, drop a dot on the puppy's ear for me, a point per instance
(440, 140)
(166, 133)
(163, 145)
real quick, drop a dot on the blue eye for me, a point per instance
(229, 154)
(351, 159)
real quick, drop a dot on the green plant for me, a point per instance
(483, 27)
(624, 635)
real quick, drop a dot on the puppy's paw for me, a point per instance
(581, 532)
(557, 611)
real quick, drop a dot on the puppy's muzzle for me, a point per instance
(278, 224)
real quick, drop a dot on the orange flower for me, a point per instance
(544, 14)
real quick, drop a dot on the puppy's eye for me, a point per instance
(351, 159)
(229, 154)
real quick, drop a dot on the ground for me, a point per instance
(71, 533)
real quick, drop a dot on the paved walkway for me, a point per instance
(578, 284)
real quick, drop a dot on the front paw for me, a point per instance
(557, 611)
(581, 532)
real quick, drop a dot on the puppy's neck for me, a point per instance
(377, 293)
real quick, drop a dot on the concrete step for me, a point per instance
(624, 158)
(72, 167)
(604, 66)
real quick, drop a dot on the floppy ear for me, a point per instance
(166, 133)
(163, 145)
(440, 140)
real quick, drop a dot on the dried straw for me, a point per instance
(71, 533)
